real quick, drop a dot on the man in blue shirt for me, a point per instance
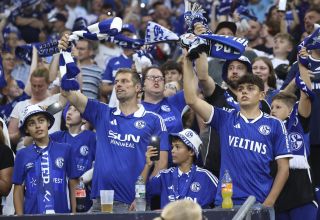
(41, 169)
(249, 139)
(122, 61)
(123, 135)
(186, 180)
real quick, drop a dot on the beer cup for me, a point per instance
(106, 197)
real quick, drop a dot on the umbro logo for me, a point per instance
(237, 126)
(113, 122)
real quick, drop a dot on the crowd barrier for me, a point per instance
(255, 213)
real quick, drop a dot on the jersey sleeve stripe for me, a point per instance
(211, 116)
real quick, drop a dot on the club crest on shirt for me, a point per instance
(296, 141)
(140, 124)
(165, 108)
(195, 187)
(59, 162)
(84, 150)
(264, 129)
(29, 165)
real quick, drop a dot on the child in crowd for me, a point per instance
(186, 180)
(296, 200)
(42, 169)
(83, 143)
(283, 45)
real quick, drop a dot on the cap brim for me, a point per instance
(48, 116)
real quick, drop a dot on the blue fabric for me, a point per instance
(83, 147)
(225, 47)
(113, 65)
(155, 33)
(308, 211)
(121, 146)
(125, 42)
(69, 71)
(247, 148)
(224, 7)
(243, 11)
(26, 172)
(201, 189)
(3, 82)
(46, 49)
(170, 109)
(303, 87)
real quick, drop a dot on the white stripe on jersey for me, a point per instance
(213, 178)
(165, 171)
(162, 124)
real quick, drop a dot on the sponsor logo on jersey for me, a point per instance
(264, 129)
(84, 150)
(123, 140)
(195, 187)
(296, 141)
(247, 144)
(140, 124)
(59, 162)
(165, 108)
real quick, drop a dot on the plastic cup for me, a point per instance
(106, 197)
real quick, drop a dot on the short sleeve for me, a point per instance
(94, 110)
(18, 171)
(281, 142)
(160, 130)
(107, 75)
(154, 185)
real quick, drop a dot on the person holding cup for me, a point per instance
(186, 180)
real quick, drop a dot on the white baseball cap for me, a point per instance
(190, 138)
(31, 110)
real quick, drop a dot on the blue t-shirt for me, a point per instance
(113, 65)
(199, 185)
(247, 149)
(83, 147)
(42, 170)
(121, 146)
(170, 109)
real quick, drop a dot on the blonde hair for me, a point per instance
(181, 210)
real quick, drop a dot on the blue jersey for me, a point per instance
(83, 147)
(299, 139)
(113, 65)
(199, 185)
(170, 109)
(44, 172)
(121, 146)
(247, 148)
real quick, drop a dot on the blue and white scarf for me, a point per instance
(68, 70)
(155, 33)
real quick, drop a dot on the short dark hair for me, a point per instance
(171, 65)
(175, 139)
(285, 36)
(146, 70)
(251, 79)
(134, 75)
(289, 99)
(314, 9)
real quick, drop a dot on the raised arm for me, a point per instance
(304, 107)
(207, 84)
(76, 98)
(190, 91)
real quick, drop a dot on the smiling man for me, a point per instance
(249, 140)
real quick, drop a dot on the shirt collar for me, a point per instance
(180, 172)
(253, 121)
(138, 114)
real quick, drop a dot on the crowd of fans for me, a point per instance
(164, 100)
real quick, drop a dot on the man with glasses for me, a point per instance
(170, 108)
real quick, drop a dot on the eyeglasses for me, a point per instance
(155, 78)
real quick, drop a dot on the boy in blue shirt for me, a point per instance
(41, 169)
(186, 180)
(297, 200)
(249, 140)
(82, 142)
